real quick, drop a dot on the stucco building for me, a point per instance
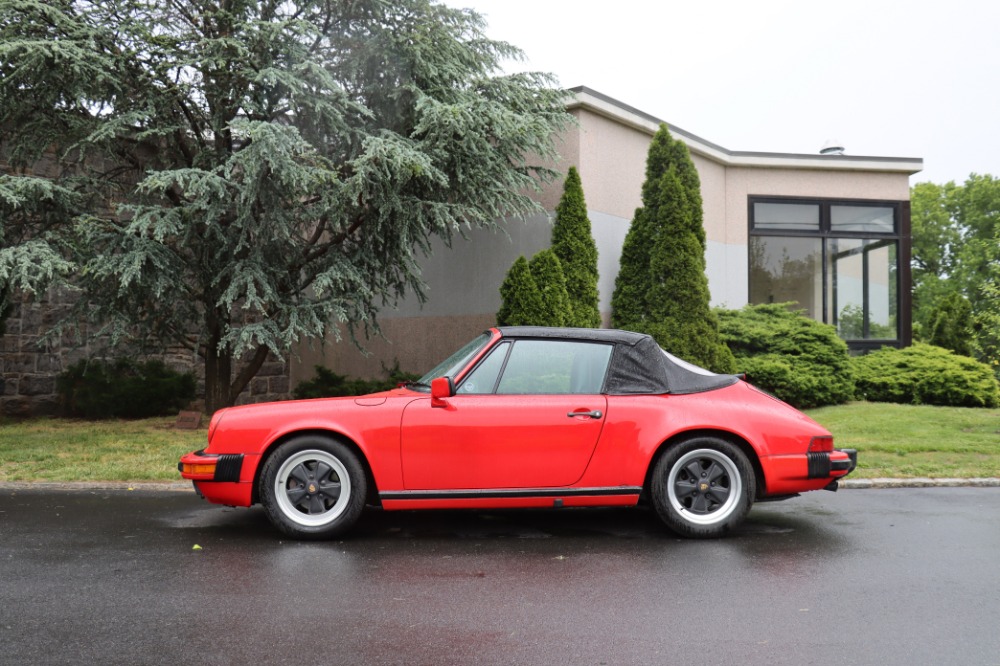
(831, 232)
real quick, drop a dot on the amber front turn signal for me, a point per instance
(200, 468)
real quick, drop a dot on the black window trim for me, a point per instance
(901, 234)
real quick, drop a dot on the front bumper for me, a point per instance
(201, 466)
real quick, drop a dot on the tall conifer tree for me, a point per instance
(661, 287)
(573, 242)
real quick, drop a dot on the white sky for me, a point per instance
(887, 78)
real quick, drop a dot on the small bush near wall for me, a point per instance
(328, 384)
(786, 353)
(123, 389)
(925, 375)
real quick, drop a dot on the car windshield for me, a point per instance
(451, 365)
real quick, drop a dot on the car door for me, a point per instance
(528, 416)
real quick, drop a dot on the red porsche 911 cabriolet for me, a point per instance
(524, 417)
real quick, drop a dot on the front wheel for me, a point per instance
(703, 487)
(313, 488)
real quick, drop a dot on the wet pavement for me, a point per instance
(899, 576)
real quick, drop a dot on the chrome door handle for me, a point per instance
(596, 414)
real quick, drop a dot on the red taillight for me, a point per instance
(821, 444)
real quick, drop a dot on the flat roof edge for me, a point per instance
(591, 100)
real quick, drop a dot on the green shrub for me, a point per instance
(521, 301)
(784, 352)
(546, 269)
(94, 389)
(328, 384)
(925, 375)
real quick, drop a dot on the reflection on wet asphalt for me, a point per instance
(861, 576)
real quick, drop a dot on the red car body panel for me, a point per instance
(501, 451)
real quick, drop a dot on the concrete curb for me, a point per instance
(185, 486)
(920, 483)
(176, 486)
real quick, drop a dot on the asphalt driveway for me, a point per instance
(857, 577)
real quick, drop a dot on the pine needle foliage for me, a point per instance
(573, 242)
(547, 272)
(245, 174)
(521, 301)
(661, 288)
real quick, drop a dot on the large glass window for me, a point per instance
(784, 270)
(837, 260)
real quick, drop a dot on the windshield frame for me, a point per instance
(455, 363)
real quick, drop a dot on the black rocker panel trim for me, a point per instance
(518, 492)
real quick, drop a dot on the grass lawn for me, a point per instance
(906, 441)
(70, 450)
(892, 441)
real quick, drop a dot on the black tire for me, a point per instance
(703, 487)
(313, 487)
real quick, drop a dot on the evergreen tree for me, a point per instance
(573, 242)
(628, 301)
(950, 325)
(264, 168)
(661, 287)
(679, 314)
(521, 301)
(548, 275)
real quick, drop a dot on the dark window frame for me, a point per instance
(901, 234)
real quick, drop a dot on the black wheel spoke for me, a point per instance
(700, 503)
(715, 472)
(300, 474)
(295, 495)
(322, 470)
(316, 505)
(694, 470)
(684, 489)
(330, 489)
(719, 493)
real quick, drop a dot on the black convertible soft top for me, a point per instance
(638, 365)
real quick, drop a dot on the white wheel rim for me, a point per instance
(704, 487)
(312, 488)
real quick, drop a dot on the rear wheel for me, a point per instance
(313, 488)
(703, 487)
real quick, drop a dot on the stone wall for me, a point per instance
(30, 364)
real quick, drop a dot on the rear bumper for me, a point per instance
(837, 463)
(802, 472)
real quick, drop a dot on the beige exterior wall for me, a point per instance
(612, 164)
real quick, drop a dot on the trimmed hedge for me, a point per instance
(925, 375)
(328, 384)
(784, 352)
(123, 389)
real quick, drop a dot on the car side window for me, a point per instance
(484, 378)
(555, 366)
